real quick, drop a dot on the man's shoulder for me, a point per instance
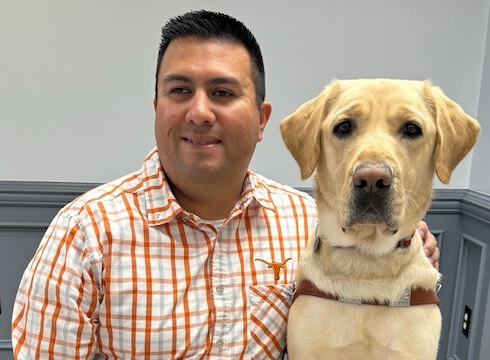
(131, 183)
(105, 192)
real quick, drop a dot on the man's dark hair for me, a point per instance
(214, 25)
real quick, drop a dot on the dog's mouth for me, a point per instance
(371, 211)
(384, 229)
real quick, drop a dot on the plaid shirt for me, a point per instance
(124, 272)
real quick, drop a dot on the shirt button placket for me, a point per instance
(220, 274)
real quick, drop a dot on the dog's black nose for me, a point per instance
(372, 178)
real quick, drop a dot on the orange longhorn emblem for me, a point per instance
(275, 266)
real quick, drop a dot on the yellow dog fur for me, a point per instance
(359, 259)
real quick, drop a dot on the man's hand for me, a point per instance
(430, 243)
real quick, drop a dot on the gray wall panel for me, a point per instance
(6, 350)
(469, 287)
(460, 220)
(16, 249)
(26, 209)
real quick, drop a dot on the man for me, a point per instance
(193, 256)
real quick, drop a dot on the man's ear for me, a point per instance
(264, 114)
(301, 131)
(456, 132)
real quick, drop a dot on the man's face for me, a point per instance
(207, 121)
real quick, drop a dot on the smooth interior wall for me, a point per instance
(77, 77)
(480, 169)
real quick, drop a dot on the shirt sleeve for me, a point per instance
(55, 312)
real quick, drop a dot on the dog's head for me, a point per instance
(376, 145)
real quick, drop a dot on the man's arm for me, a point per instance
(57, 298)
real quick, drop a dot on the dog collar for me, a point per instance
(402, 244)
(410, 297)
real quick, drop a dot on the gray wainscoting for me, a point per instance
(460, 219)
(26, 209)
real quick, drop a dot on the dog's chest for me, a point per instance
(352, 331)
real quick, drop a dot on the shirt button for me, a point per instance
(220, 343)
(220, 290)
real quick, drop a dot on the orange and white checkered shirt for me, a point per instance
(124, 272)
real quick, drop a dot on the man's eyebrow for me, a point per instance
(176, 77)
(215, 81)
(225, 80)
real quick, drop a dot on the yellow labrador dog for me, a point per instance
(365, 288)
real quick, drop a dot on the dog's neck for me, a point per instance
(370, 239)
(402, 244)
(344, 269)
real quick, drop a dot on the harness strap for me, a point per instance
(415, 297)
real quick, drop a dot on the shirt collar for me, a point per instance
(258, 187)
(162, 206)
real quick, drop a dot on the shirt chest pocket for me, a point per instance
(269, 307)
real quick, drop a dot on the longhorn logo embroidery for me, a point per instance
(275, 266)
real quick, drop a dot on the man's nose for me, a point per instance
(200, 112)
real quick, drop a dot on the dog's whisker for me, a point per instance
(416, 203)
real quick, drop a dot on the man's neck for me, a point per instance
(210, 202)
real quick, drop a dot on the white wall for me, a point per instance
(77, 77)
(480, 170)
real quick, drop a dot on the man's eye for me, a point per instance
(223, 93)
(179, 90)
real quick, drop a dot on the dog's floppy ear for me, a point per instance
(302, 129)
(456, 133)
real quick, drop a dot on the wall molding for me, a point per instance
(49, 193)
(54, 195)
(40, 193)
(452, 201)
(35, 197)
(5, 344)
(476, 204)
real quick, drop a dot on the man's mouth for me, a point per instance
(201, 140)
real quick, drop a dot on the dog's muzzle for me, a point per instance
(371, 195)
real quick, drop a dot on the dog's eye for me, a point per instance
(412, 130)
(343, 128)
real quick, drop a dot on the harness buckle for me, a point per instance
(404, 300)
